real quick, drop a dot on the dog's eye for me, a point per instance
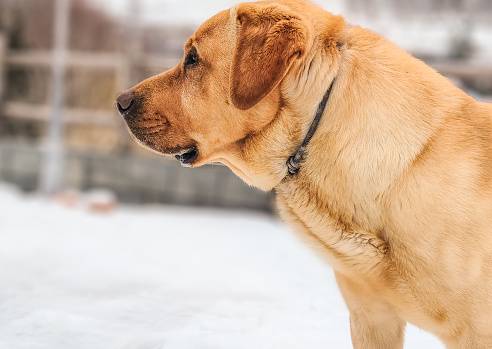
(191, 59)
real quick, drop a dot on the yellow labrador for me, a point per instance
(379, 162)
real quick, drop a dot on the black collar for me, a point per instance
(294, 161)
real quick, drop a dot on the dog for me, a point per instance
(378, 162)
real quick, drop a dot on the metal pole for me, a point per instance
(52, 171)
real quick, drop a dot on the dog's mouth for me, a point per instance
(187, 156)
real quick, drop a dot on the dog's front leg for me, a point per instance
(373, 323)
(381, 330)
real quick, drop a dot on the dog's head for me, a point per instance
(225, 90)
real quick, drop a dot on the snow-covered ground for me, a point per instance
(162, 277)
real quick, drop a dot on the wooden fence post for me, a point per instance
(127, 72)
(3, 45)
(3, 49)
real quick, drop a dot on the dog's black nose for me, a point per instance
(124, 101)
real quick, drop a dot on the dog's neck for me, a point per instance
(359, 135)
(261, 158)
(361, 149)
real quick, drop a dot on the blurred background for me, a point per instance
(89, 256)
(70, 137)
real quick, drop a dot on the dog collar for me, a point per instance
(294, 161)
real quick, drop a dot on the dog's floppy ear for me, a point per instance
(268, 42)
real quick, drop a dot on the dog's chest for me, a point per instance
(330, 230)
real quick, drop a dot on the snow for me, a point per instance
(162, 277)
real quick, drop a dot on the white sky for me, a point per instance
(183, 11)
(424, 36)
